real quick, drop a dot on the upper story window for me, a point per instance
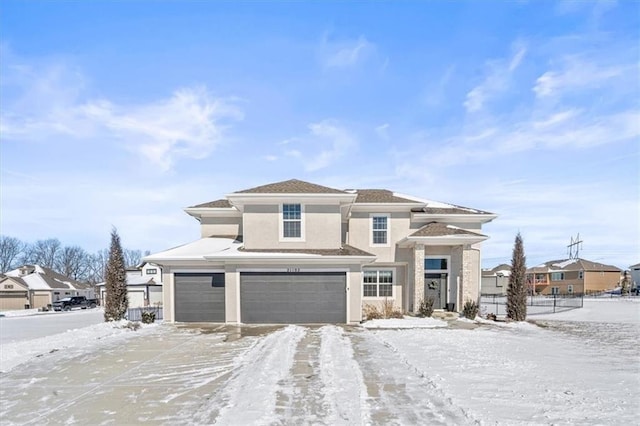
(581, 275)
(152, 271)
(380, 229)
(292, 221)
(557, 276)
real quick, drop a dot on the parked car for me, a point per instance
(74, 302)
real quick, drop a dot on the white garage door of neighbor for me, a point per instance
(136, 299)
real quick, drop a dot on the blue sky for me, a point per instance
(122, 113)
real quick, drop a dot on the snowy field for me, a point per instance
(579, 368)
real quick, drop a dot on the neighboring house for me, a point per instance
(34, 286)
(144, 286)
(635, 275)
(298, 252)
(573, 276)
(496, 280)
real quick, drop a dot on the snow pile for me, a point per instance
(15, 353)
(20, 313)
(406, 322)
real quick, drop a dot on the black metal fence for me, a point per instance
(497, 304)
(135, 314)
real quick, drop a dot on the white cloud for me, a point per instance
(55, 100)
(326, 143)
(383, 131)
(497, 78)
(578, 74)
(345, 53)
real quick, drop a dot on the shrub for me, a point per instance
(491, 316)
(426, 307)
(470, 309)
(371, 312)
(148, 317)
(131, 325)
(389, 311)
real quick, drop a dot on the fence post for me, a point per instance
(495, 299)
(554, 303)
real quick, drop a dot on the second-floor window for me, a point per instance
(152, 271)
(380, 230)
(291, 221)
(557, 276)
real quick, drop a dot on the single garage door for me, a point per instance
(290, 298)
(199, 297)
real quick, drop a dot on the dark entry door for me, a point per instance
(435, 286)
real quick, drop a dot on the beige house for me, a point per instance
(297, 252)
(34, 286)
(495, 281)
(573, 276)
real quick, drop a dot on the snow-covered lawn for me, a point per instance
(559, 372)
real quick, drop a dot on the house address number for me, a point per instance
(293, 269)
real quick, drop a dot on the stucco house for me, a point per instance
(571, 276)
(495, 280)
(144, 286)
(37, 287)
(298, 252)
(634, 270)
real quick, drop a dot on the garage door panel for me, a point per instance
(200, 297)
(293, 297)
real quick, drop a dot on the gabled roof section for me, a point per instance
(574, 265)
(448, 210)
(437, 229)
(292, 186)
(216, 204)
(380, 196)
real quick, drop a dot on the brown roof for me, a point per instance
(50, 273)
(218, 204)
(448, 210)
(379, 196)
(574, 265)
(16, 279)
(437, 229)
(292, 186)
(345, 250)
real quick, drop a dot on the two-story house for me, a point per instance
(573, 276)
(298, 252)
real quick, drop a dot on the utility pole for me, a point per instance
(575, 243)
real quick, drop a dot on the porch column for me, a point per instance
(418, 275)
(470, 268)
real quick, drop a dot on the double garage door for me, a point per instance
(265, 297)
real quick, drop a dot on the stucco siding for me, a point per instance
(360, 233)
(221, 226)
(322, 227)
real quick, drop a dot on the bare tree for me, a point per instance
(43, 252)
(132, 257)
(116, 282)
(73, 262)
(517, 290)
(10, 250)
(97, 264)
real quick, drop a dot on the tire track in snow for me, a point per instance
(250, 395)
(404, 393)
(344, 388)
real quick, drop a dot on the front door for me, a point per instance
(435, 286)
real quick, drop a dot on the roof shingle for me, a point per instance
(437, 229)
(379, 196)
(216, 204)
(292, 186)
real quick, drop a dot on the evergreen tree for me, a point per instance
(625, 285)
(517, 290)
(116, 302)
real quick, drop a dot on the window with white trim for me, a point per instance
(570, 288)
(377, 283)
(555, 290)
(581, 275)
(291, 221)
(152, 271)
(380, 230)
(557, 276)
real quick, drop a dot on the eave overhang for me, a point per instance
(455, 218)
(444, 240)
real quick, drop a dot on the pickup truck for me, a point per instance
(74, 302)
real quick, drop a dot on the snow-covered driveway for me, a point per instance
(517, 375)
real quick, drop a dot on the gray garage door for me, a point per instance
(293, 298)
(199, 297)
